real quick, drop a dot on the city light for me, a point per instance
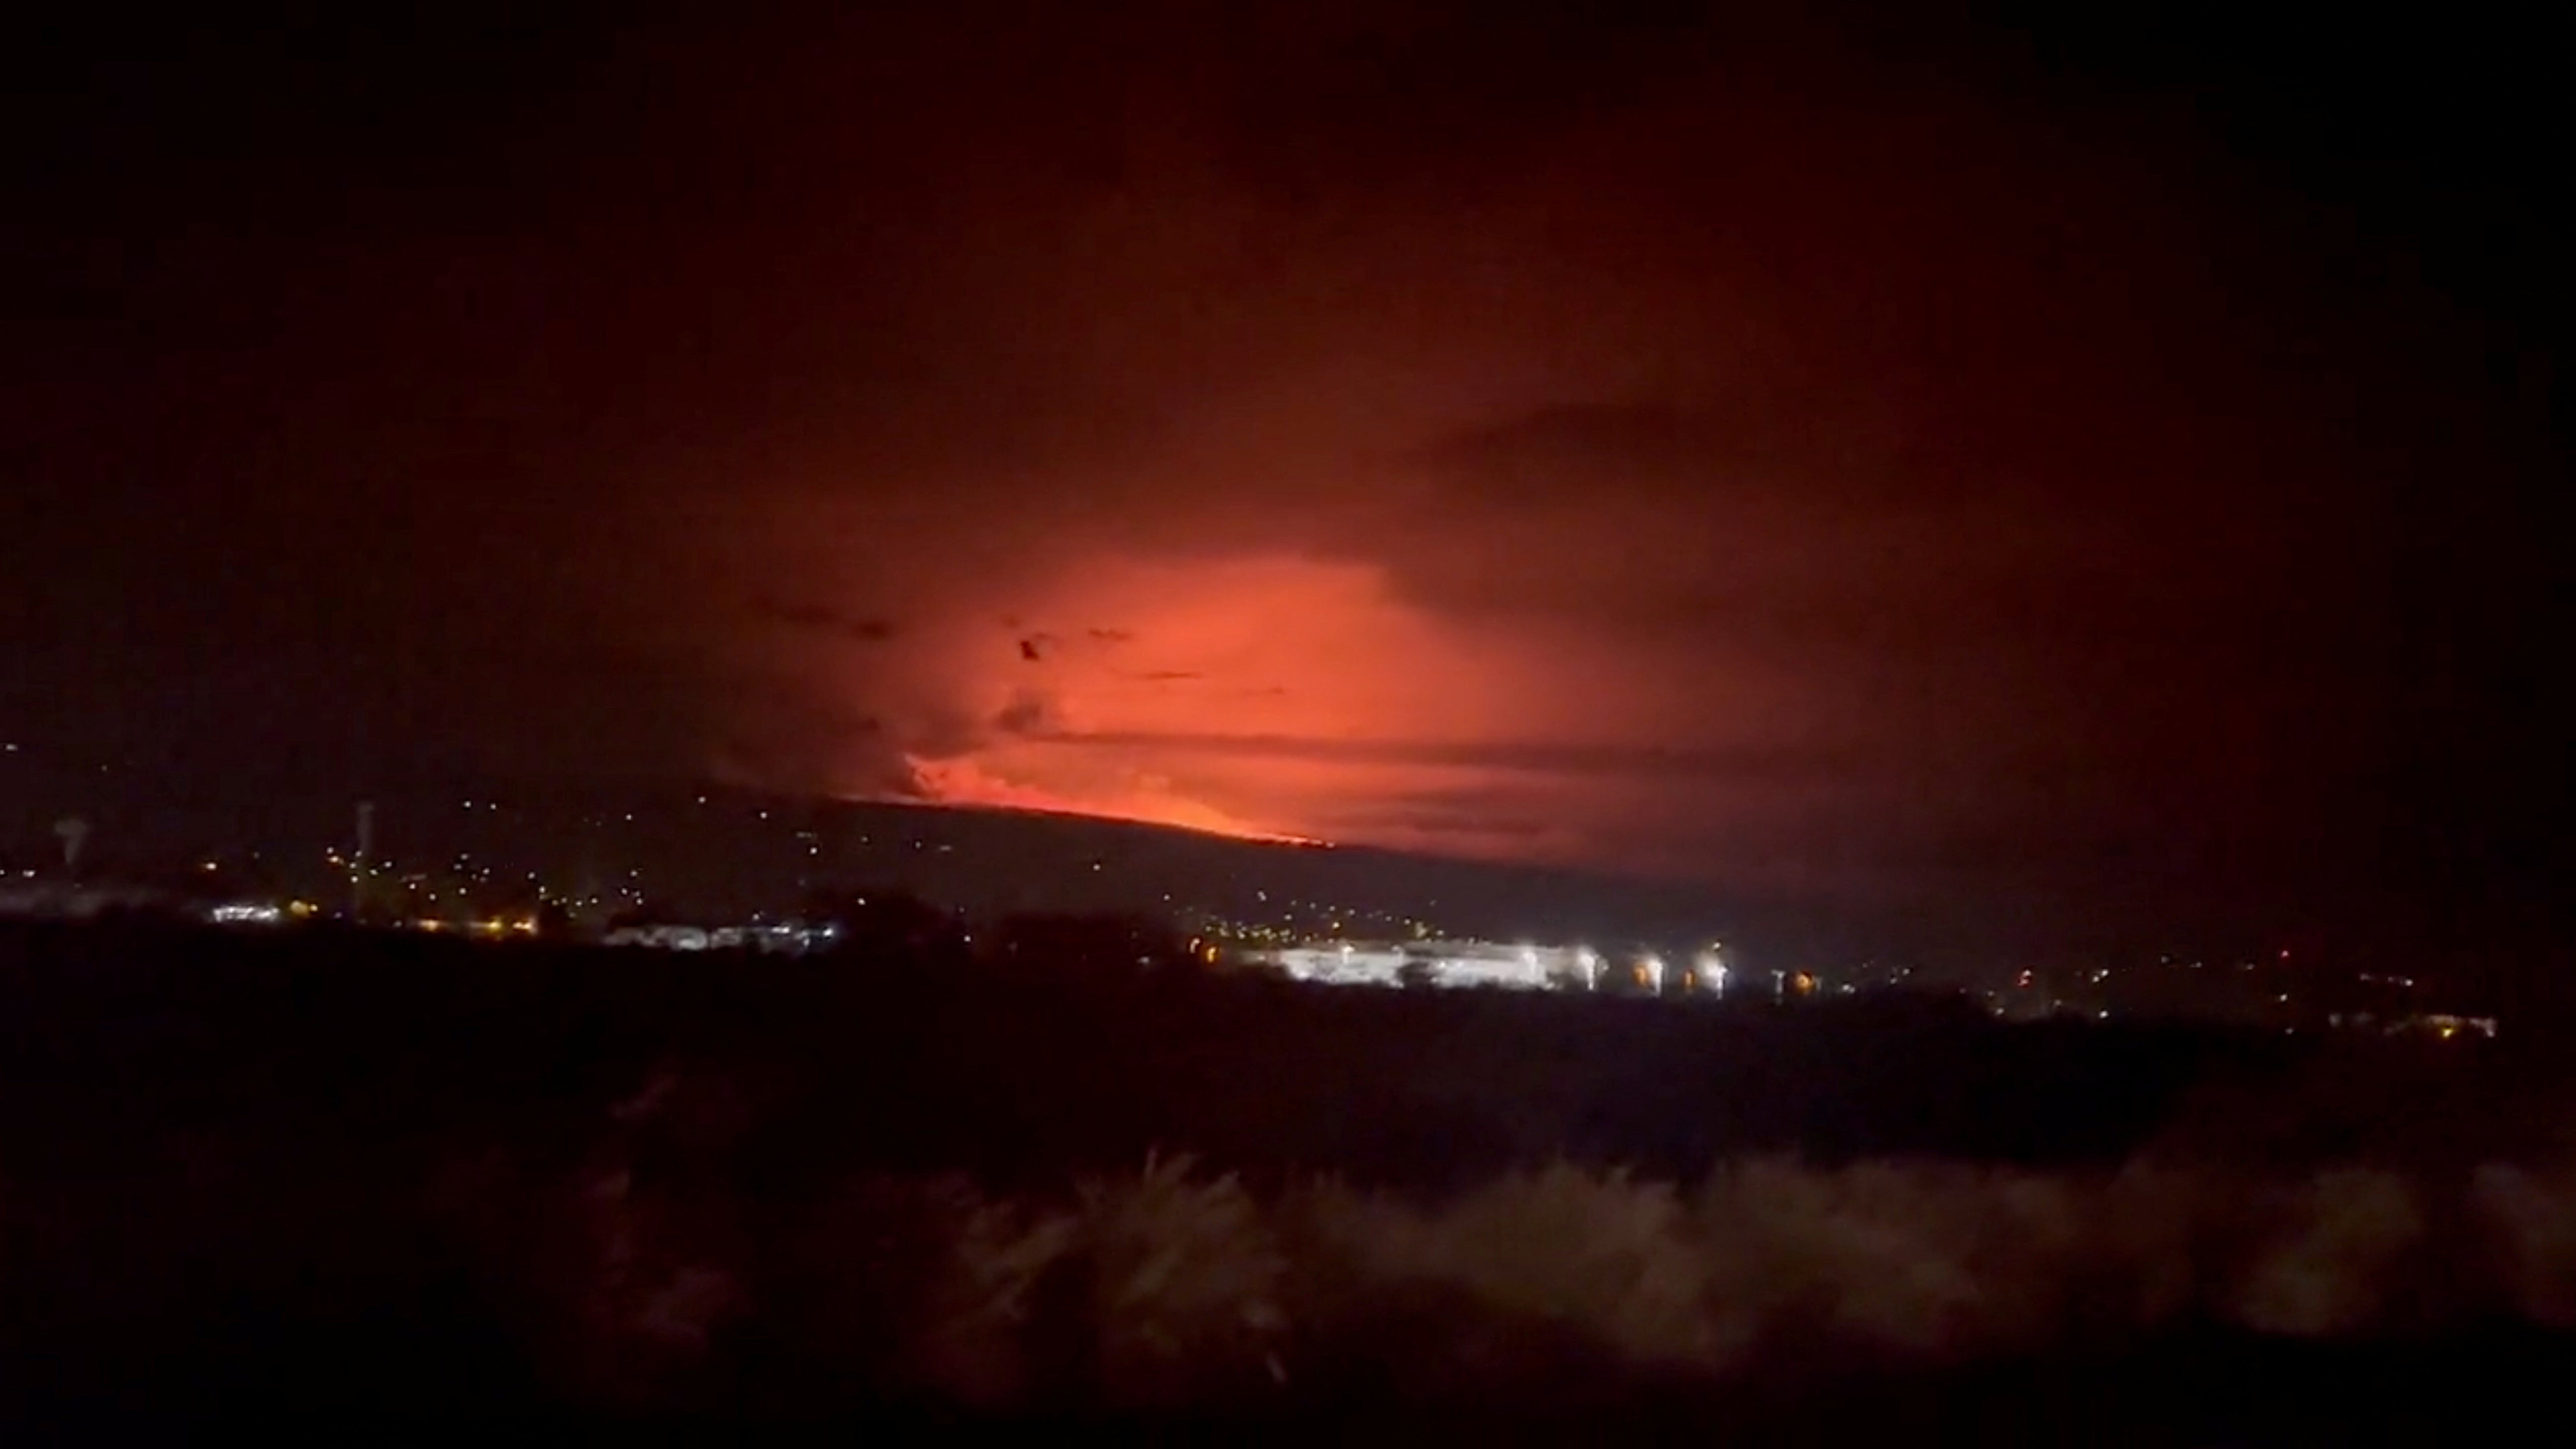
(1308, 932)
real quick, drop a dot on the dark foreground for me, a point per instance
(384, 1178)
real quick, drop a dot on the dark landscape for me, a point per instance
(336, 1173)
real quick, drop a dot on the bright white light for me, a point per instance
(234, 915)
(1654, 973)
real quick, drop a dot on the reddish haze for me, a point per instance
(1890, 464)
(1270, 695)
(1768, 482)
(1621, 494)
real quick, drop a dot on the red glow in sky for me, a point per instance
(1268, 697)
(1613, 434)
(1706, 478)
(1284, 697)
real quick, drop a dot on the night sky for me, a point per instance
(1835, 459)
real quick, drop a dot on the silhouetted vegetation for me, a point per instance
(324, 1169)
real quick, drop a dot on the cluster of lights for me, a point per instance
(493, 928)
(1479, 963)
(786, 938)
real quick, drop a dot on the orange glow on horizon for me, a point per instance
(960, 784)
(1272, 698)
(1286, 698)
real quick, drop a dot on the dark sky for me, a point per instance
(1844, 459)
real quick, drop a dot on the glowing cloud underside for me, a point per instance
(1159, 693)
(1276, 698)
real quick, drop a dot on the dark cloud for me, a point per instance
(861, 628)
(766, 731)
(1028, 713)
(1615, 452)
